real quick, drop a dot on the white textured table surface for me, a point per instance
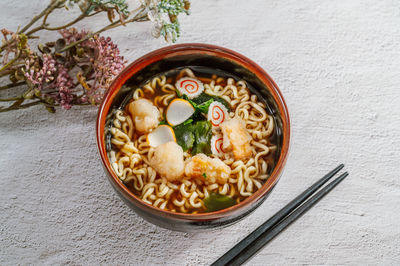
(338, 66)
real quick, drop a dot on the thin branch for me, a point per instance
(45, 12)
(83, 104)
(66, 25)
(9, 63)
(12, 85)
(23, 106)
(95, 13)
(11, 99)
(90, 35)
(108, 27)
(5, 73)
(38, 28)
(27, 105)
(44, 24)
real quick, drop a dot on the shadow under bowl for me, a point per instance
(194, 55)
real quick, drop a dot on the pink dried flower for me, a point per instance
(49, 77)
(107, 63)
(104, 58)
(41, 76)
(97, 64)
(64, 84)
(14, 50)
(72, 35)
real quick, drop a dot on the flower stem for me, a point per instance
(12, 85)
(139, 17)
(11, 99)
(95, 13)
(5, 73)
(22, 106)
(68, 24)
(9, 63)
(43, 26)
(54, 4)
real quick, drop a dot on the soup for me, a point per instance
(192, 141)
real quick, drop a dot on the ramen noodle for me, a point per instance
(191, 144)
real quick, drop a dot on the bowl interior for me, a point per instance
(224, 62)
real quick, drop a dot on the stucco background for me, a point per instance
(338, 66)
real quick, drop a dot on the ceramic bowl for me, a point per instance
(203, 55)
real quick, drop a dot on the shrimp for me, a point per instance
(236, 138)
(168, 161)
(144, 114)
(209, 169)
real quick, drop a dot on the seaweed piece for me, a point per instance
(202, 135)
(216, 202)
(195, 136)
(184, 135)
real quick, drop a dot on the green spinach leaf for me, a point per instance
(204, 97)
(201, 107)
(189, 121)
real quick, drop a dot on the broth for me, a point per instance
(248, 147)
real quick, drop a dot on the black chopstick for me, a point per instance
(267, 231)
(264, 239)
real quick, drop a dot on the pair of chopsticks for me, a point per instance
(282, 219)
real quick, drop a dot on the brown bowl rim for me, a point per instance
(188, 48)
